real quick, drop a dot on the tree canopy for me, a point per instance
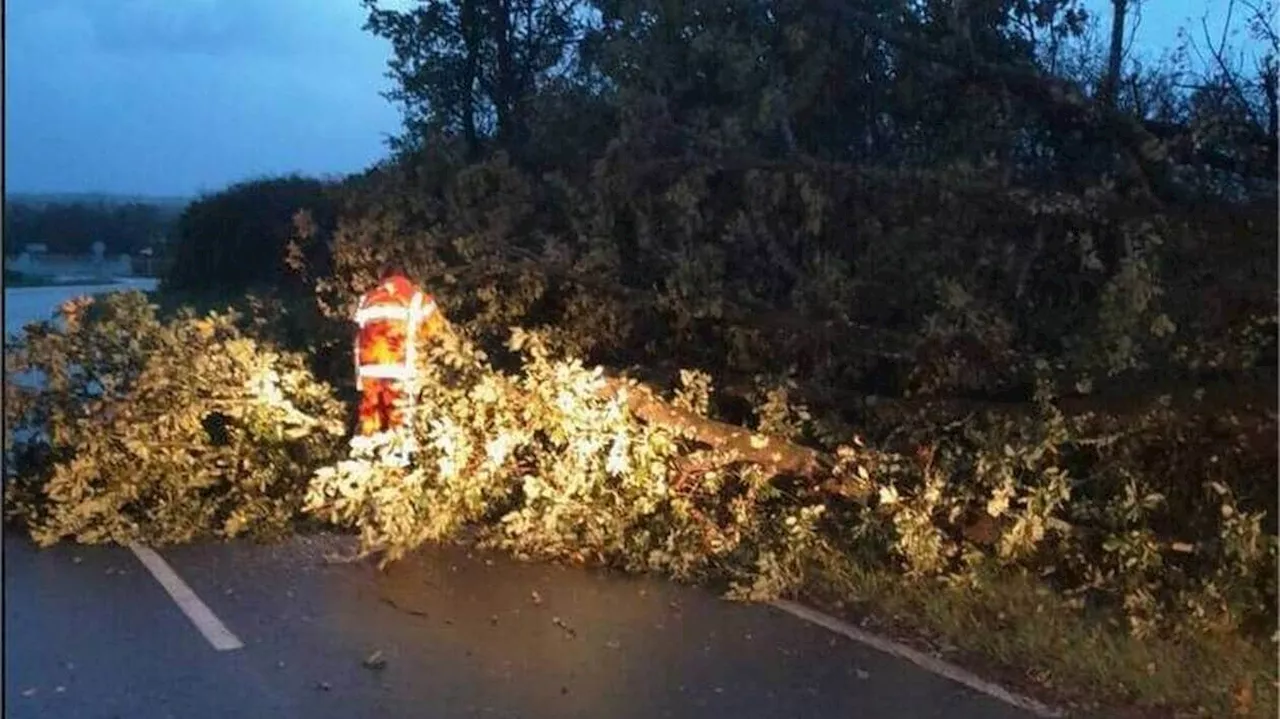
(72, 227)
(235, 239)
(1017, 83)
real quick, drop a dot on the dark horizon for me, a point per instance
(26, 196)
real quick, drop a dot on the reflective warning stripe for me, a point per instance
(420, 308)
(391, 312)
(381, 312)
(411, 347)
(384, 371)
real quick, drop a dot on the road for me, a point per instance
(91, 632)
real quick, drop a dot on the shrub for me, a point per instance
(121, 427)
(1093, 506)
(234, 240)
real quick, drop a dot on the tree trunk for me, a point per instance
(780, 456)
(1111, 82)
(1146, 158)
(1269, 78)
(729, 444)
(505, 93)
(472, 33)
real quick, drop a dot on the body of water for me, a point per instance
(24, 305)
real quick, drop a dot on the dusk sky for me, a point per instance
(176, 97)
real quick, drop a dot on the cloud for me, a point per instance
(213, 27)
(174, 96)
(216, 28)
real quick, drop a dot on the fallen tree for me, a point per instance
(553, 459)
(122, 427)
(557, 460)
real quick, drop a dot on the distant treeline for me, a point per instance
(73, 227)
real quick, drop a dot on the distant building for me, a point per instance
(37, 261)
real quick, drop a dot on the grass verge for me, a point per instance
(1013, 630)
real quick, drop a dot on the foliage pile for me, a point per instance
(555, 460)
(121, 427)
(552, 463)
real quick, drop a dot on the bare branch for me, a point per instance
(1133, 30)
(1262, 25)
(1229, 74)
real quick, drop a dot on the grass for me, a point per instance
(1015, 631)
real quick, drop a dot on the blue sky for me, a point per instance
(175, 97)
(181, 96)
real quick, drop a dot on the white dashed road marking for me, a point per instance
(918, 658)
(197, 611)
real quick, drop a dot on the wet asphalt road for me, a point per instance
(90, 633)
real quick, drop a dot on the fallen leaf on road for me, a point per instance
(77, 560)
(407, 610)
(862, 673)
(568, 630)
(537, 598)
(613, 644)
(375, 661)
